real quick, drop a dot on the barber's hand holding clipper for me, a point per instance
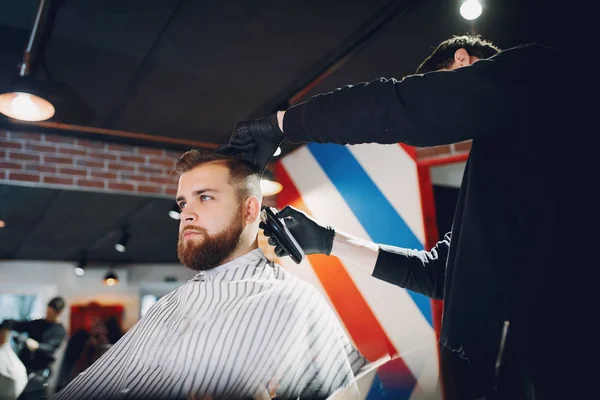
(312, 236)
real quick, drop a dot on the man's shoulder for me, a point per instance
(299, 288)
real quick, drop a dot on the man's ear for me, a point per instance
(461, 58)
(251, 210)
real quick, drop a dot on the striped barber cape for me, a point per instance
(241, 330)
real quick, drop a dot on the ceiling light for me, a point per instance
(174, 212)
(25, 105)
(269, 185)
(470, 9)
(121, 245)
(25, 98)
(2, 221)
(80, 267)
(111, 279)
(277, 152)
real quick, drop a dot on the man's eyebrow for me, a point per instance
(197, 193)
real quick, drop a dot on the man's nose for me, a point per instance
(188, 215)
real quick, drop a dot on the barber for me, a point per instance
(498, 269)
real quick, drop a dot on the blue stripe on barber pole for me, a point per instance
(373, 210)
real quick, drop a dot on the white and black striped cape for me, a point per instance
(235, 331)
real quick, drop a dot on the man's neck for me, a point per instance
(241, 250)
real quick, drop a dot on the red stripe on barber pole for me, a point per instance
(431, 233)
(362, 325)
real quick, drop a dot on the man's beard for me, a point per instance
(213, 249)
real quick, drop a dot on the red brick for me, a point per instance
(121, 186)
(58, 160)
(72, 171)
(72, 151)
(40, 147)
(59, 139)
(90, 183)
(22, 156)
(433, 151)
(120, 167)
(155, 169)
(2, 154)
(17, 176)
(120, 147)
(28, 136)
(90, 144)
(173, 155)
(102, 156)
(10, 165)
(149, 189)
(162, 181)
(91, 164)
(58, 180)
(150, 151)
(4, 144)
(40, 168)
(132, 177)
(165, 162)
(103, 175)
(171, 191)
(133, 159)
(462, 146)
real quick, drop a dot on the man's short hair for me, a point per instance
(243, 175)
(443, 55)
(58, 303)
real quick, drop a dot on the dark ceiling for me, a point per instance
(59, 225)
(177, 69)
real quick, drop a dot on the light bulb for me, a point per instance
(24, 107)
(79, 271)
(120, 248)
(270, 188)
(110, 282)
(174, 214)
(470, 9)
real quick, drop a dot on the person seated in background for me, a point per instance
(243, 327)
(13, 374)
(45, 335)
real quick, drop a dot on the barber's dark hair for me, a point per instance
(58, 303)
(239, 170)
(443, 55)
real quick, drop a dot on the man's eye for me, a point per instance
(181, 206)
(205, 198)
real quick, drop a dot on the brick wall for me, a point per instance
(68, 162)
(455, 149)
(63, 161)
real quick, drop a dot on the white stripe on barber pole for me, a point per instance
(394, 172)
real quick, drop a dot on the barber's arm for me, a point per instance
(487, 98)
(419, 271)
(52, 340)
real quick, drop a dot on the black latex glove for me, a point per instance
(255, 141)
(313, 237)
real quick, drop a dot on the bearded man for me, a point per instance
(243, 327)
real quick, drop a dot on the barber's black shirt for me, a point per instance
(48, 335)
(509, 257)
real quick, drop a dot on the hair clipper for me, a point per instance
(282, 234)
